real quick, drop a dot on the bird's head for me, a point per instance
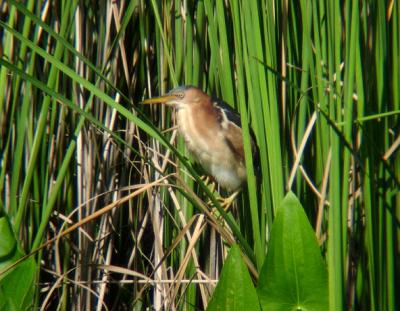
(179, 97)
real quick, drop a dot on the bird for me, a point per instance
(212, 133)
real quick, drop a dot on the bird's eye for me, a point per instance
(181, 95)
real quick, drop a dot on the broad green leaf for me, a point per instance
(294, 276)
(16, 288)
(6, 303)
(7, 240)
(9, 252)
(235, 290)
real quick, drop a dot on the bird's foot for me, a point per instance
(226, 203)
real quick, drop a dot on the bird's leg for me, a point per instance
(205, 179)
(209, 181)
(211, 184)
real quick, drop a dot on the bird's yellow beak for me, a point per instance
(159, 100)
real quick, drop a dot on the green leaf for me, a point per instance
(9, 252)
(17, 285)
(16, 288)
(235, 290)
(7, 241)
(294, 276)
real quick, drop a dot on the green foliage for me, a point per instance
(17, 285)
(294, 276)
(235, 289)
(8, 245)
(17, 288)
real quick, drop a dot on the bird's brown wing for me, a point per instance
(234, 139)
(233, 132)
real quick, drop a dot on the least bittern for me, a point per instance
(213, 134)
